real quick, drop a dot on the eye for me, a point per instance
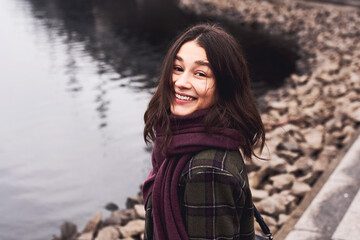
(178, 69)
(200, 74)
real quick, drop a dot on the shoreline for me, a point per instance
(316, 113)
(309, 121)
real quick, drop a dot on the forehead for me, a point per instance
(192, 51)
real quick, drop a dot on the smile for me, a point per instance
(185, 98)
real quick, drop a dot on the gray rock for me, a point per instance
(289, 145)
(258, 194)
(300, 188)
(93, 224)
(282, 181)
(276, 165)
(120, 217)
(68, 231)
(304, 164)
(140, 211)
(85, 236)
(274, 205)
(309, 178)
(320, 164)
(288, 155)
(108, 233)
(299, 79)
(293, 109)
(132, 201)
(270, 221)
(314, 137)
(310, 98)
(282, 219)
(133, 228)
(256, 177)
(353, 112)
(111, 206)
(278, 105)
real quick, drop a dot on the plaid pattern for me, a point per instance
(215, 198)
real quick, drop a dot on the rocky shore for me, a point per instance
(308, 120)
(317, 111)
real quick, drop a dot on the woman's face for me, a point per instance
(194, 82)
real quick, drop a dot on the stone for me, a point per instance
(309, 178)
(270, 221)
(305, 89)
(291, 169)
(282, 219)
(258, 194)
(140, 211)
(120, 217)
(354, 114)
(300, 188)
(68, 231)
(108, 233)
(93, 224)
(86, 236)
(269, 188)
(348, 132)
(273, 205)
(132, 201)
(277, 165)
(256, 177)
(336, 90)
(275, 115)
(299, 79)
(325, 77)
(330, 66)
(279, 105)
(133, 228)
(282, 181)
(310, 98)
(314, 137)
(288, 155)
(293, 109)
(304, 164)
(321, 164)
(289, 145)
(111, 206)
(334, 124)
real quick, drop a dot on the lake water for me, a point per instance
(70, 132)
(76, 77)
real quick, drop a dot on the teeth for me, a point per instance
(183, 97)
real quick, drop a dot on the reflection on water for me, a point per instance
(76, 79)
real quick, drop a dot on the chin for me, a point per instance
(178, 111)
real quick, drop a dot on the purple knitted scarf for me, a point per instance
(188, 138)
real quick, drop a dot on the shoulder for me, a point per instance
(215, 161)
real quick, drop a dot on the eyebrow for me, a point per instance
(198, 62)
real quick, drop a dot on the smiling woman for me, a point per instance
(194, 83)
(201, 114)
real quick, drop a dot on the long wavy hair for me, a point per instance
(234, 105)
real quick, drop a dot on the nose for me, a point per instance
(182, 81)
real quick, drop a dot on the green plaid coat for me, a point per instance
(215, 198)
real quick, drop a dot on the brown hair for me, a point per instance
(234, 105)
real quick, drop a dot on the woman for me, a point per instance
(200, 116)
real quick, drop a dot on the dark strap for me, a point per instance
(262, 224)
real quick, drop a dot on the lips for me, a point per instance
(184, 97)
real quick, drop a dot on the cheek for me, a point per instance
(202, 89)
(206, 93)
